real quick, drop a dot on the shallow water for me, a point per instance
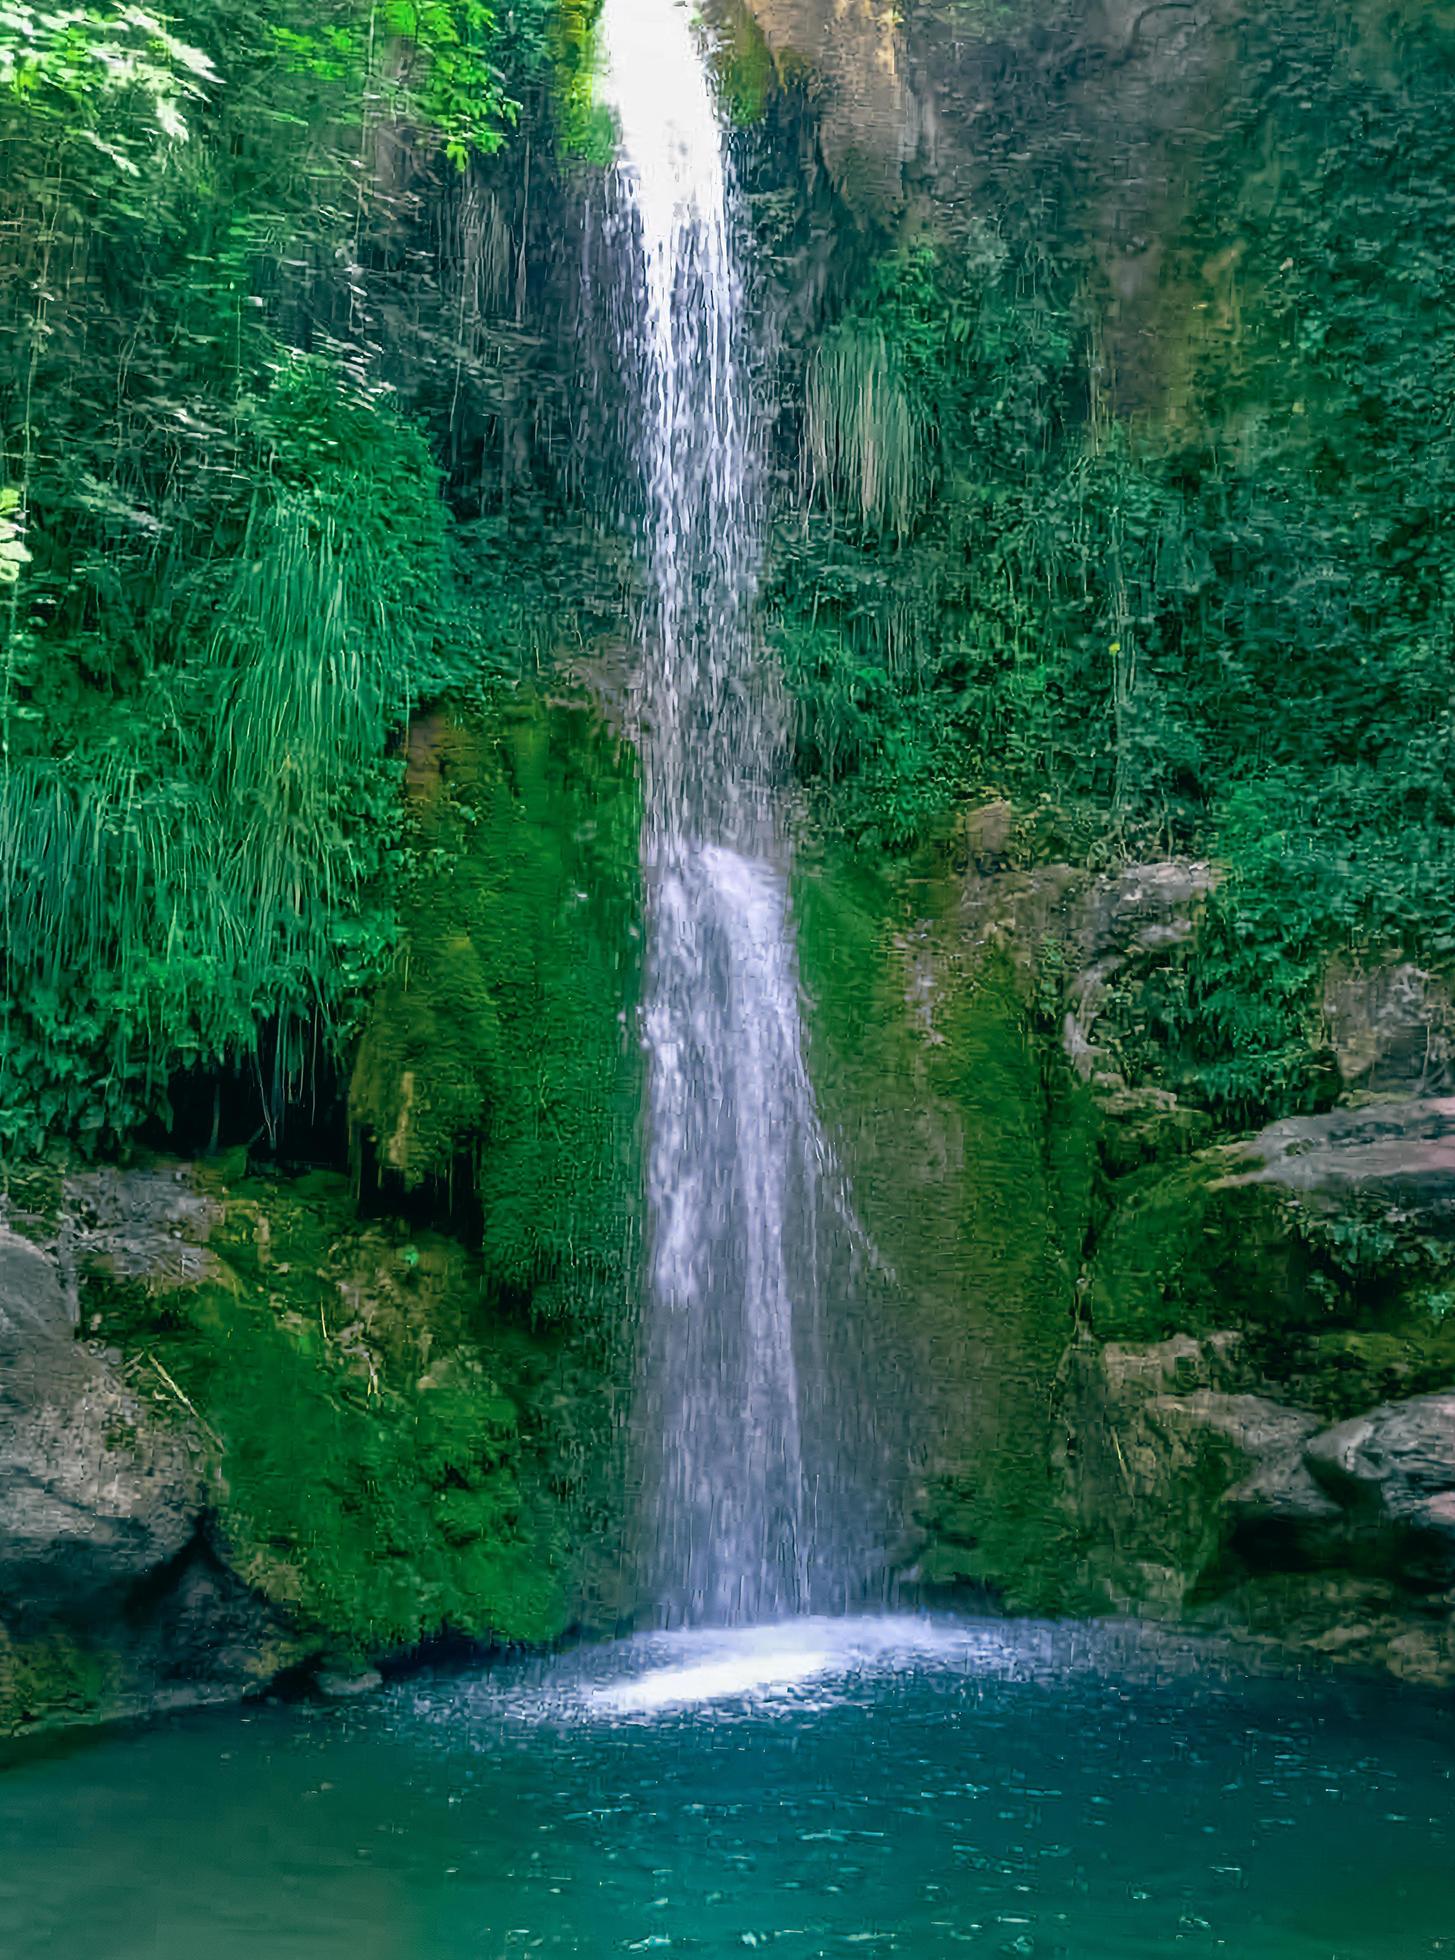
(823, 1788)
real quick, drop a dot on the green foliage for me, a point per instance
(459, 93)
(583, 125)
(89, 63)
(13, 552)
(239, 566)
(1227, 628)
(862, 434)
(203, 862)
(499, 1048)
(926, 407)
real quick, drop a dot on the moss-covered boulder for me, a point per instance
(497, 1066)
(382, 1477)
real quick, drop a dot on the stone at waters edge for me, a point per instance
(346, 1684)
(94, 1491)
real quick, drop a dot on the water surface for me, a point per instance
(824, 1788)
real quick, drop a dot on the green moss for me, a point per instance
(500, 1048)
(1337, 1310)
(33, 1191)
(970, 1160)
(1184, 1252)
(384, 1476)
(1339, 1374)
(411, 1431)
(51, 1678)
(1379, 1319)
(746, 75)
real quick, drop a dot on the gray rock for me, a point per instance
(35, 1315)
(336, 1684)
(150, 1224)
(95, 1490)
(1398, 1154)
(986, 835)
(1394, 1465)
(1143, 909)
(1391, 1026)
(1176, 1366)
(1267, 1440)
(870, 120)
(1112, 930)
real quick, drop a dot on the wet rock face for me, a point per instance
(928, 114)
(1395, 1466)
(95, 1492)
(1109, 931)
(871, 120)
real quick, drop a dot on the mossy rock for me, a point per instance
(499, 1054)
(384, 1473)
(49, 1679)
(968, 1151)
(1349, 1369)
(1183, 1251)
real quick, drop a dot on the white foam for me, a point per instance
(662, 1673)
(732, 1678)
(789, 1668)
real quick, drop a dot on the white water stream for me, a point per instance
(740, 1185)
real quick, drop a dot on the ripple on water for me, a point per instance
(917, 1787)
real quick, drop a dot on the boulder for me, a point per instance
(347, 1683)
(96, 1490)
(1144, 908)
(987, 835)
(1176, 1366)
(1393, 1466)
(1265, 1441)
(1396, 1155)
(1391, 1027)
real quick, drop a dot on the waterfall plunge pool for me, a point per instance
(915, 1787)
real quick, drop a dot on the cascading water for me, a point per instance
(740, 1187)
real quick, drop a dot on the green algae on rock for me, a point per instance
(370, 1425)
(968, 1150)
(498, 1055)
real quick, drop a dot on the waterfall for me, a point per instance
(740, 1184)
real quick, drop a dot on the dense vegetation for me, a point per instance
(238, 567)
(276, 444)
(289, 446)
(303, 500)
(1216, 618)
